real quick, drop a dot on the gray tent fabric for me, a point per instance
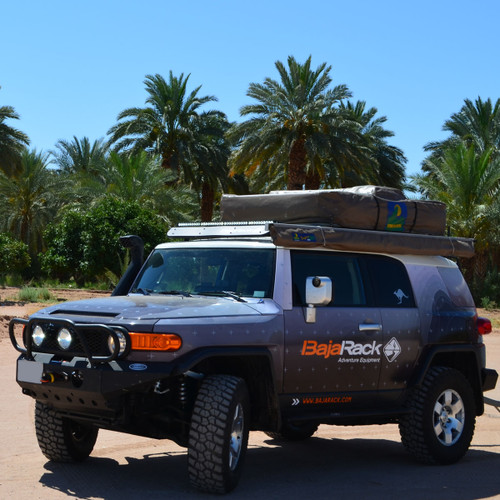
(357, 240)
(362, 207)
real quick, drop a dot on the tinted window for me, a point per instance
(457, 287)
(390, 283)
(342, 269)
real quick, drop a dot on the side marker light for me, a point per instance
(166, 342)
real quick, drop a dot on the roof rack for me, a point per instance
(190, 230)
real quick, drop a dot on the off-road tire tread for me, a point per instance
(411, 426)
(51, 436)
(209, 421)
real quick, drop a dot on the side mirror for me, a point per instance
(319, 292)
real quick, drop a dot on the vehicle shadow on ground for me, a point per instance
(320, 468)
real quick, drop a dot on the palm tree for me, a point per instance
(164, 126)
(132, 177)
(12, 141)
(29, 199)
(383, 165)
(469, 183)
(476, 124)
(294, 125)
(208, 171)
(79, 156)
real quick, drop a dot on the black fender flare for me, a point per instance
(196, 356)
(475, 374)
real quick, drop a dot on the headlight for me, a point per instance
(64, 338)
(123, 343)
(38, 335)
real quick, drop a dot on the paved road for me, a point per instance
(339, 462)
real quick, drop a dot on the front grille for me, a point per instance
(95, 339)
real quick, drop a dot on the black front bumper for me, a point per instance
(75, 387)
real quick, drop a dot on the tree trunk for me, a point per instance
(168, 164)
(480, 262)
(474, 270)
(297, 165)
(207, 202)
(313, 180)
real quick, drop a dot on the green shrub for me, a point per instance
(14, 257)
(32, 294)
(11, 279)
(487, 303)
(487, 291)
(84, 246)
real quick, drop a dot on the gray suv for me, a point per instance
(264, 327)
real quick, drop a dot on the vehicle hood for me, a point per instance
(148, 308)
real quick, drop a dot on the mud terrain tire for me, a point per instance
(218, 436)
(62, 439)
(440, 428)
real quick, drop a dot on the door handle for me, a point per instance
(370, 327)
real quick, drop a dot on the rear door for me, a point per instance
(402, 337)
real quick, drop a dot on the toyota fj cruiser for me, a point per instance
(272, 327)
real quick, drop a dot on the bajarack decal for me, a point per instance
(349, 351)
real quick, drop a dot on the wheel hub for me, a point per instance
(445, 415)
(449, 417)
(236, 440)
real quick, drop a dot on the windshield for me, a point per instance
(223, 271)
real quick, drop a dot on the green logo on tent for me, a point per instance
(304, 237)
(396, 216)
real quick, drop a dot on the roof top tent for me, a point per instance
(364, 219)
(363, 207)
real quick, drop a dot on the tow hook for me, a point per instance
(51, 377)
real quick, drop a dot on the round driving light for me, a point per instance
(122, 340)
(64, 338)
(38, 335)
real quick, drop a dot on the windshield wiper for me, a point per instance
(144, 291)
(224, 293)
(175, 292)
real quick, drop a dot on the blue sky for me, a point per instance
(69, 67)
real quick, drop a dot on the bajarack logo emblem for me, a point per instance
(353, 350)
(392, 349)
(347, 347)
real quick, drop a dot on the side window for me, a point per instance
(456, 286)
(342, 269)
(390, 283)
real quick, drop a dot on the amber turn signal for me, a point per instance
(155, 341)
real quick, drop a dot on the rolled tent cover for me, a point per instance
(361, 207)
(358, 240)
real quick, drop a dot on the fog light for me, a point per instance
(38, 335)
(122, 341)
(64, 338)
